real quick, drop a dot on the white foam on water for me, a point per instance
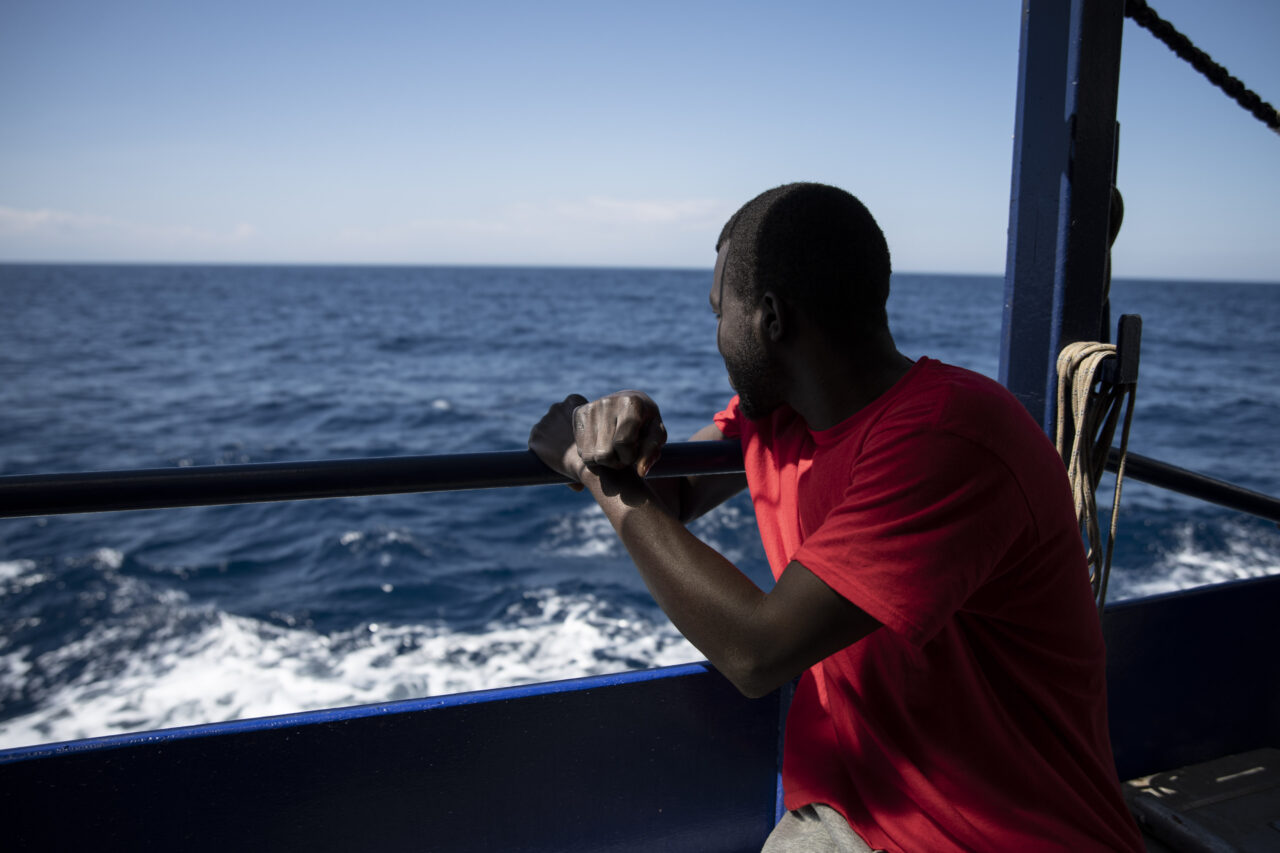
(1185, 564)
(17, 575)
(587, 532)
(731, 531)
(13, 569)
(237, 667)
(162, 662)
(584, 533)
(109, 558)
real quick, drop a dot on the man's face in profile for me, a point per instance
(751, 374)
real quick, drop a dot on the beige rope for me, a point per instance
(1095, 412)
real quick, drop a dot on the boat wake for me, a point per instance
(1192, 554)
(102, 643)
(170, 663)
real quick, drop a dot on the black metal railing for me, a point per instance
(1175, 479)
(209, 485)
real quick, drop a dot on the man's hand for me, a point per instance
(552, 440)
(620, 431)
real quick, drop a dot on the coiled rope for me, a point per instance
(1146, 17)
(1096, 410)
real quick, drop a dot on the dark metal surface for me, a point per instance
(1123, 369)
(100, 491)
(1193, 675)
(671, 759)
(1176, 479)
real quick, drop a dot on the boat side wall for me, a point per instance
(664, 760)
(1193, 675)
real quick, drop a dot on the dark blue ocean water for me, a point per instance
(120, 621)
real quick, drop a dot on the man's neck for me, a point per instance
(832, 386)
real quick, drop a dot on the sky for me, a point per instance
(590, 134)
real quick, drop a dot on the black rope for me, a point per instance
(1146, 17)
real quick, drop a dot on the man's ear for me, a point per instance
(774, 316)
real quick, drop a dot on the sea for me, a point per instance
(124, 621)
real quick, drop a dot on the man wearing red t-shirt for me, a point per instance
(931, 585)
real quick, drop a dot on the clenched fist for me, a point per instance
(622, 430)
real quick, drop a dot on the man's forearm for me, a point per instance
(707, 598)
(680, 497)
(669, 492)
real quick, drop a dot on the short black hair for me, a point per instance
(815, 245)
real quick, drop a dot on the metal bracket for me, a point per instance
(1123, 369)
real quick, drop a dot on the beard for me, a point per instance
(756, 381)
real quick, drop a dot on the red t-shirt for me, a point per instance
(975, 718)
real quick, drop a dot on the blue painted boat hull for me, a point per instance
(671, 759)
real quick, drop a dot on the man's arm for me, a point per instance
(692, 497)
(757, 640)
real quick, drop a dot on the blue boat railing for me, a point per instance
(25, 495)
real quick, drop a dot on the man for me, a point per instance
(931, 585)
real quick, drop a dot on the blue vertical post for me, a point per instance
(1063, 171)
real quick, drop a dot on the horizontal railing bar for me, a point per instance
(210, 485)
(1175, 479)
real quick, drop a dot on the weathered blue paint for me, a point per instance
(1039, 161)
(1063, 170)
(1093, 82)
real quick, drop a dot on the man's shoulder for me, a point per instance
(963, 400)
(947, 402)
(986, 416)
(937, 376)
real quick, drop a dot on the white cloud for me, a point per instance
(17, 221)
(62, 235)
(591, 230)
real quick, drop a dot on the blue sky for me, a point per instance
(589, 133)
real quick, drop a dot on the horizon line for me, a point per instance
(554, 266)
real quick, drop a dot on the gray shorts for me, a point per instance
(815, 828)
